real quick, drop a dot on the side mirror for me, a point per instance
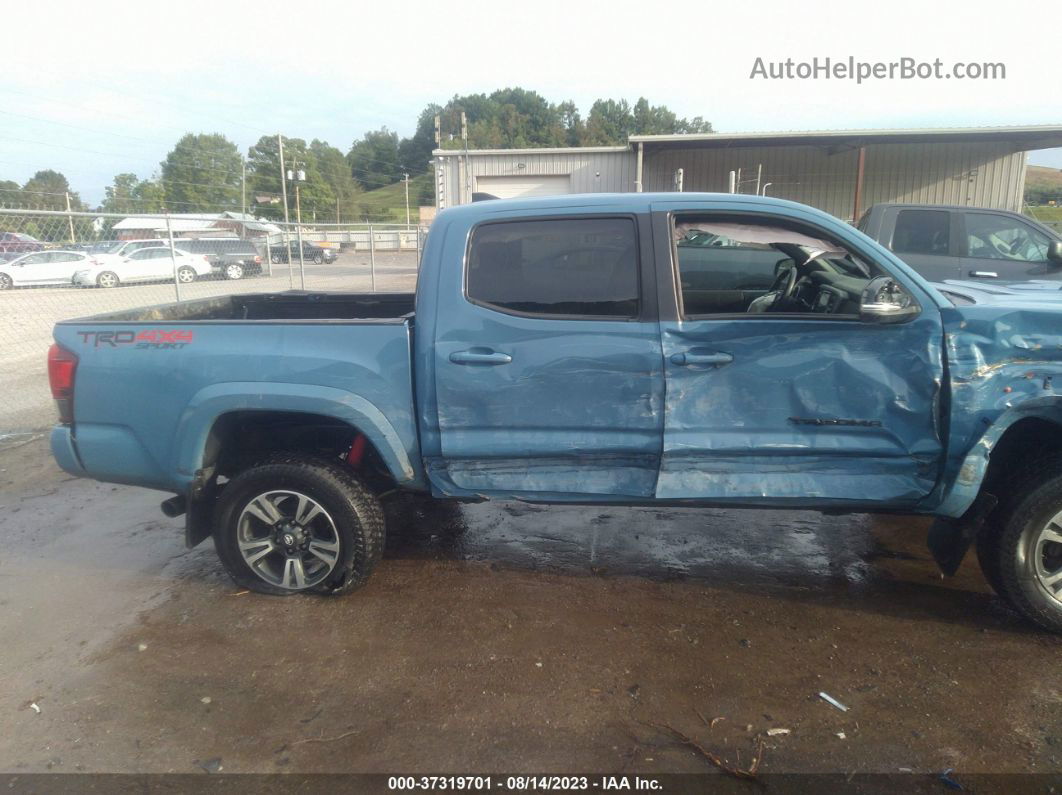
(1054, 253)
(886, 301)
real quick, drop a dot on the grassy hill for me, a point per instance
(388, 204)
(1041, 185)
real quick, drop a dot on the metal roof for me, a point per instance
(1034, 136)
(177, 223)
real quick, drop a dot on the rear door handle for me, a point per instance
(701, 358)
(480, 357)
(985, 274)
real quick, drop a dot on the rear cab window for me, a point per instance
(922, 232)
(580, 268)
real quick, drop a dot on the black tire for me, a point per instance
(108, 279)
(318, 259)
(1007, 546)
(5, 282)
(351, 508)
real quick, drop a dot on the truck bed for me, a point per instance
(152, 382)
(291, 305)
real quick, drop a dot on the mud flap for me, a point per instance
(950, 538)
(198, 522)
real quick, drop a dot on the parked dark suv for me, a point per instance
(310, 252)
(229, 257)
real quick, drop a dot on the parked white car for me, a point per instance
(43, 267)
(151, 264)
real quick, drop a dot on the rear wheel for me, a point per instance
(185, 275)
(318, 259)
(275, 258)
(5, 282)
(234, 271)
(1020, 548)
(107, 279)
(296, 524)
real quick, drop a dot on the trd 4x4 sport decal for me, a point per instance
(157, 339)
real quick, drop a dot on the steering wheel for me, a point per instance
(1009, 250)
(784, 284)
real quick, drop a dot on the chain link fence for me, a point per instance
(57, 266)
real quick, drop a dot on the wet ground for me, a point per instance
(508, 637)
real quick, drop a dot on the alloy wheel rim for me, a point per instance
(107, 280)
(5, 281)
(288, 539)
(185, 275)
(1047, 556)
(234, 271)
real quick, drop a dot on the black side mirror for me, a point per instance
(1054, 252)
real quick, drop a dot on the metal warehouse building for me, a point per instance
(840, 171)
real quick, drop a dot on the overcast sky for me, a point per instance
(94, 89)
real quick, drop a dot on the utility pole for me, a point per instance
(407, 199)
(243, 186)
(468, 163)
(70, 218)
(284, 198)
(298, 176)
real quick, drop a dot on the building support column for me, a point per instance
(857, 204)
(638, 170)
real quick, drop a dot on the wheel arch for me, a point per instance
(199, 436)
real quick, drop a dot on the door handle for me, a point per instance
(480, 357)
(701, 358)
(985, 274)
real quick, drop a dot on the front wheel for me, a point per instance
(1020, 548)
(275, 259)
(5, 282)
(185, 275)
(107, 279)
(296, 524)
(318, 259)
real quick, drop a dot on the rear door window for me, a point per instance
(573, 267)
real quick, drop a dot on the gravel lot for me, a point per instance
(502, 637)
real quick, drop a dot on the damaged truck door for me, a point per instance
(778, 388)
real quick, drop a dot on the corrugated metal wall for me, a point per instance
(591, 171)
(976, 174)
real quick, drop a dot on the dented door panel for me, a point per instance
(807, 410)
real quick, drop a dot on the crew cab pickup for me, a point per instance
(622, 348)
(945, 242)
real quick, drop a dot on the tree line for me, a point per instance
(206, 172)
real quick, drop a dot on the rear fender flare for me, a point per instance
(210, 403)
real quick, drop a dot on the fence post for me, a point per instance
(372, 258)
(287, 257)
(173, 257)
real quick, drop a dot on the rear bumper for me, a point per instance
(64, 451)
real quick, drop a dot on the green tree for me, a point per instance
(202, 173)
(335, 171)
(120, 195)
(10, 193)
(263, 179)
(46, 190)
(414, 153)
(374, 160)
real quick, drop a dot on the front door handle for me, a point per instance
(480, 357)
(701, 358)
(985, 274)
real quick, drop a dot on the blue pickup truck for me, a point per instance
(624, 349)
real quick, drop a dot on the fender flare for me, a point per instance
(971, 473)
(212, 402)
